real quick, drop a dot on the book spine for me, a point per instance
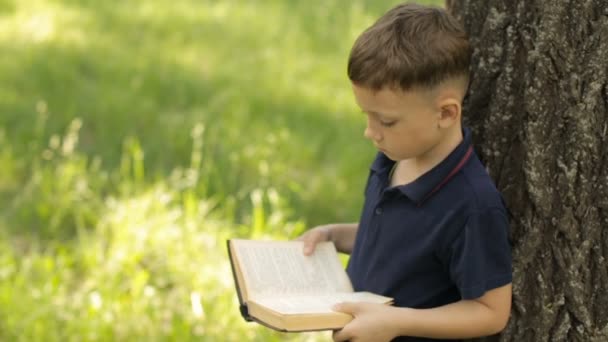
(242, 305)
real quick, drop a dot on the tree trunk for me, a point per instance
(538, 107)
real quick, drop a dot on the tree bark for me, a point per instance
(538, 107)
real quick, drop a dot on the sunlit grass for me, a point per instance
(137, 136)
(145, 262)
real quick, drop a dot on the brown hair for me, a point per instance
(410, 46)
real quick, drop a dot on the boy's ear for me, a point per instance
(450, 110)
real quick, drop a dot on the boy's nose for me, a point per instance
(371, 134)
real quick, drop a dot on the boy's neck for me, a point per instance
(408, 170)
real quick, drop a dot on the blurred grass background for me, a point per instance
(136, 136)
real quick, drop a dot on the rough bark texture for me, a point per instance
(538, 106)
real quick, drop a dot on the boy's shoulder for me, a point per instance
(479, 188)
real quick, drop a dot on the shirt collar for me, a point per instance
(382, 164)
(429, 183)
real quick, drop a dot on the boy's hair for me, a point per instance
(408, 47)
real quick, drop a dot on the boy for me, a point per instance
(433, 233)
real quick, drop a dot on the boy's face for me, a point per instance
(401, 124)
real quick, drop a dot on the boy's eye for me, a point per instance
(387, 123)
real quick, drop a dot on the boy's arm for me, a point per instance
(483, 316)
(341, 234)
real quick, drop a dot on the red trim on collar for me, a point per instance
(460, 165)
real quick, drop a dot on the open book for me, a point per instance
(279, 287)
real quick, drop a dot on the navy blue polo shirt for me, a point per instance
(436, 240)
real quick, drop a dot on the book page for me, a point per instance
(317, 304)
(278, 268)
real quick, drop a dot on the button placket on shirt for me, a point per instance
(379, 210)
(375, 219)
(384, 193)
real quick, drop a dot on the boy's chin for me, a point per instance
(388, 155)
(394, 157)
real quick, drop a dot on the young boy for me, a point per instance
(433, 233)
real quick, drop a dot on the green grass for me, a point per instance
(136, 136)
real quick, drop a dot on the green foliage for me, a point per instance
(137, 136)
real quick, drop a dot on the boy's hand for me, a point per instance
(312, 237)
(372, 322)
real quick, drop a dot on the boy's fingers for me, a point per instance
(341, 335)
(309, 246)
(346, 307)
(308, 249)
(311, 239)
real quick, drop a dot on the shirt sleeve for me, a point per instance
(480, 256)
